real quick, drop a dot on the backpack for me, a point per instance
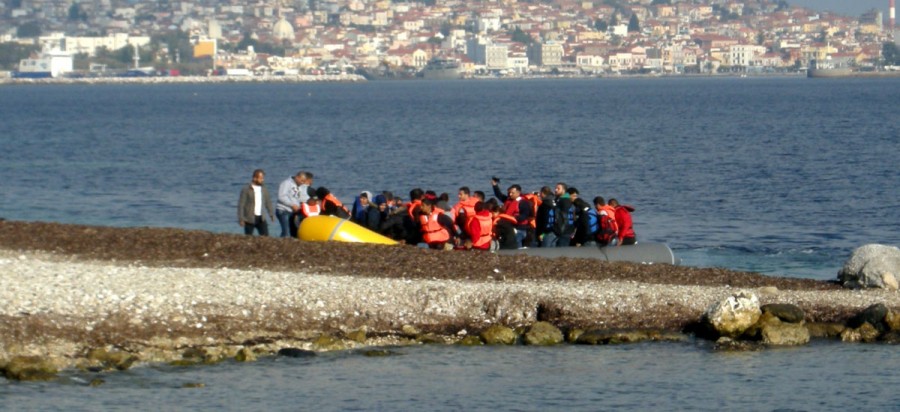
(563, 220)
(608, 229)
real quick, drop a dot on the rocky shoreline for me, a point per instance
(101, 298)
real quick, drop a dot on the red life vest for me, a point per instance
(330, 198)
(468, 206)
(309, 210)
(623, 219)
(432, 231)
(411, 207)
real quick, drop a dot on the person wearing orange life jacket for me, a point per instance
(623, 219)
(514, 204)
(464, 211)
(331, 206)
(434, 232)
(481, 229)
(311, 207)
(411, 219)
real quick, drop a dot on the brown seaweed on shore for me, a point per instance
(194, 248)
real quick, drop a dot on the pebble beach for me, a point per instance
(70, 289)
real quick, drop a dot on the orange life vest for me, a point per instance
(535, 201)
(330, 198)
(309, 210)
(411, 207)
(432, 231)
(467, 205)
(486, 224)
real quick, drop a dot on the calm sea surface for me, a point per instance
(782, 176)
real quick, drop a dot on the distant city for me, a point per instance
(384, 38)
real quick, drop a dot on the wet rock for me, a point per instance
(892, 320)
(872, 266)
(295, 353)
(542, 334)
(865, 333)
(470, 340)
(111, 359)
(499, 335)
(96, 382)
(29, 368)
(430, 338)
(573, 334)
(245, 355)
(409, 330)
(873, 315)
(727, 344)
(784, 334)
(189, 385)
(358, 336)
(377, 353)
(825, 329)
(617, 336)
(734, 315)
(891, 337)
(785, 311)
(327, 342)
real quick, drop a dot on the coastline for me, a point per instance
(155, 295)
(344, 78)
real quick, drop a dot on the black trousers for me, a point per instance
(259, 224)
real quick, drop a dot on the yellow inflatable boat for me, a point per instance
(333, 228)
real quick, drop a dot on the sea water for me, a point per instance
(783, 176)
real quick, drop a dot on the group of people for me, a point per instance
(554, 217)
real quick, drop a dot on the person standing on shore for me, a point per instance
(254, 198)
(289, 203)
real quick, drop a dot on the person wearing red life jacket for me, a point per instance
(434, 233)
(623, 219)
(330, 204)
(607, 229)
(481, 229)
(514, 204)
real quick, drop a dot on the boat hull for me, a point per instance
(333, 228)
(639, 253)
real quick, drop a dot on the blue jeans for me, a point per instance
(284, 219)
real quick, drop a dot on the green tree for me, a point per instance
(12, 53)
(633, 24)
(29, 29)
(76, 13)
(520, 36)
(890, 53)
(601, 25)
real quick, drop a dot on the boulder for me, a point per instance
(785, 312)
(543, 334)
(499, 335)
(784, 334)
(873, 315)
(727, 344)
(245, 355)
(865, 333)
(872, 266)
(358, 336)
(29, 368)
(892, 320)
(470, 340)
(825, 329)
(326, 342)
(733, 315)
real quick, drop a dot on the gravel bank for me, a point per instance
(71, 288)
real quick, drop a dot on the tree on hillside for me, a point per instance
(520, 36)
(29, 29)
(633, 24)
(12, 53)
(890, 53)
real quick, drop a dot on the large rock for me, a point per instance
(784, 334)
(785, 311)
(499, 335)
(543, 334)
(872, 266)
(618, 336)
(733, 315)
(29, 368)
